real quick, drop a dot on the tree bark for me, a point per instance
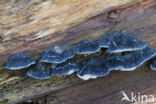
(30, 26)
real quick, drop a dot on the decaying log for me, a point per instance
(30, 26)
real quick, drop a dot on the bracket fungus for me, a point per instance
(101, 66)
(114, 62)
(19, 61)
(57, 54)
(61, 61)
(104, 41)
(86, 46)
(93, 68)
(40, 71)
(66, 68)
(153, 65)
(120, 42)
(135, 59)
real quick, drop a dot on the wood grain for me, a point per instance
(27, 26)
(66, 22)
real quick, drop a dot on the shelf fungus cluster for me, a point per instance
(88, 58)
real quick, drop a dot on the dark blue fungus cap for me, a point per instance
(66, 68)
(114, 62)
(19, 61)
(40, 72)
(57, 54)
(86, 46)
(120, 42)
(135, 59)
(93, 68)
(104, 41)
(153, 65)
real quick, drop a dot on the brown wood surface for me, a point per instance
(31, 26)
